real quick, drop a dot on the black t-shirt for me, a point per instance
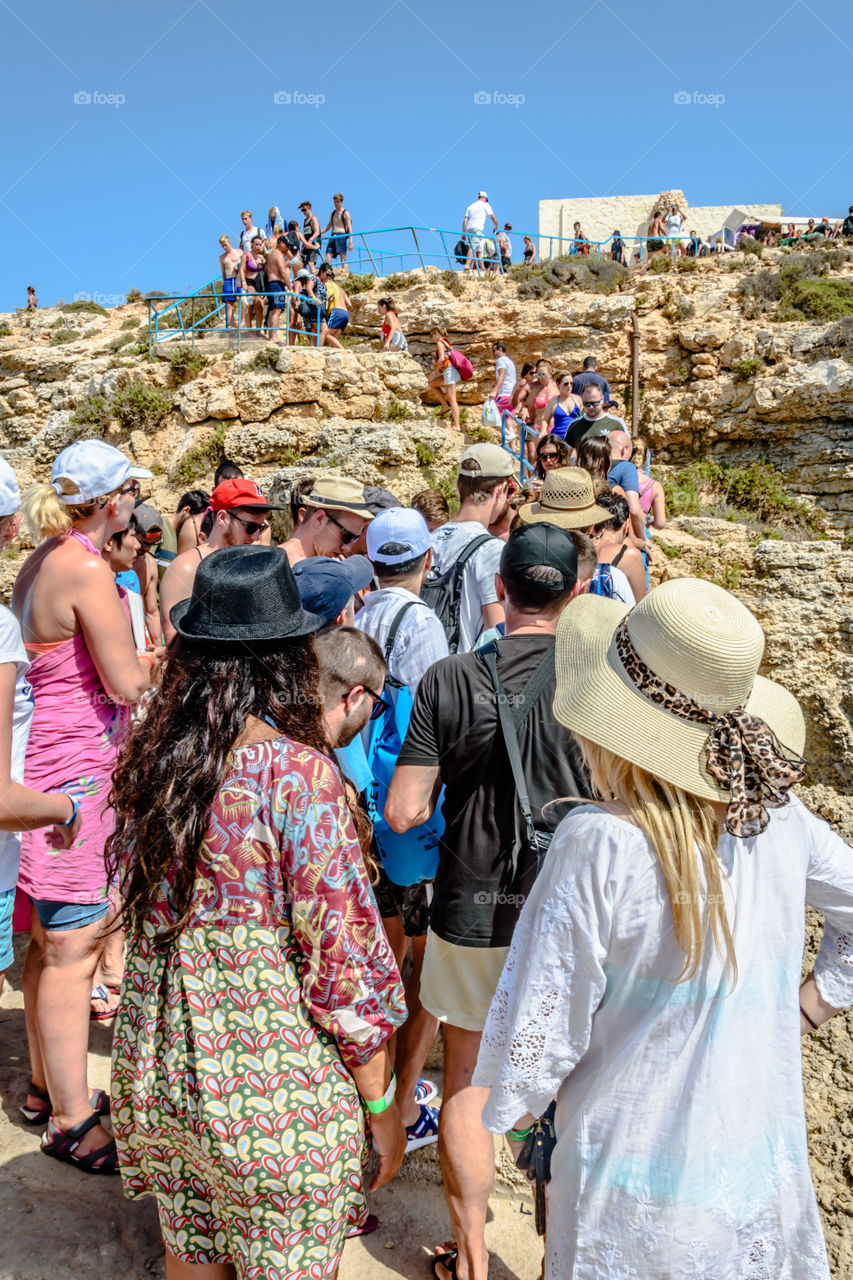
(455, 725)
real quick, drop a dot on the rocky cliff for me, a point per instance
(721, 376)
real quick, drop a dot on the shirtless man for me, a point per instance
(309, 236)
(239, 508)
(340, 225)
(279, 281)
(657, 228)
(231, 264)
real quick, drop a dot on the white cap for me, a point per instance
(10, 494)
(397, 526)
(90, 469)
(481, 195)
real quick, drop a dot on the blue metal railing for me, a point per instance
(523, 431)
(187, 327)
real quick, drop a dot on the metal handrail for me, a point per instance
(524, 429)
(157, 334)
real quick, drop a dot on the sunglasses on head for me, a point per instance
(347, 536)
(251, 526)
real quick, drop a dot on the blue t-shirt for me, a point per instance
(625, 474)
(129, 580)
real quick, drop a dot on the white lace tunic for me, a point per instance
(681, 1151)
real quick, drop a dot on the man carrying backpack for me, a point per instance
(411, 639)
(483, 725)
(460, 586)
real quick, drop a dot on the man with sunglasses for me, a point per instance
(335, 514)
(593, 421)
(239, 509)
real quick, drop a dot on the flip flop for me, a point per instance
(102, 992)
(446, 1260)
(366, 1228)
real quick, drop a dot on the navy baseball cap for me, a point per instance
(326, 586)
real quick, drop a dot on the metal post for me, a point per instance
(149, 328)
(418, 247)
(367, 251)
(635, 375)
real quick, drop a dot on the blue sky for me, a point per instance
(133, 188)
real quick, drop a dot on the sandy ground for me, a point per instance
(58, 1222)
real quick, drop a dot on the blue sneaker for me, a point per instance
(425, 1091)
(424, 1131)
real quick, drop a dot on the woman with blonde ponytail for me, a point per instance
(653, 984)
(84, 672)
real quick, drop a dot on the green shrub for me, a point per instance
(817, 300)
(453, 282)
(753, 493)
(398, 281)
(687, 264)
(133, 295)
(393, 410)
(425, 455)
(186, 363)
(745, 370)
(479, 434)
(93, 414)
(82, 305)
(140, 407)
(660, 262)
(676, 306)
(64, 335)
(201, 459)
(5, 331)
(130, 323)
(748, 244)
(288, 457)
(266, 357)
(359, 284)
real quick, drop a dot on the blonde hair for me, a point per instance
(683, 830)
(639, 451)
(223, 238)
(46, 517)
(245, 213)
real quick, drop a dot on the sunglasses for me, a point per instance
(251, 526)
(380, 706)
(590, 404)
(132, 486)
(548, 457)
(347, 536)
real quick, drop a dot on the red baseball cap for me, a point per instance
(231, 494)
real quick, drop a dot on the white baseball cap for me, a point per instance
(10, 494)
(481, 195)
(90, 469)
(402, 530)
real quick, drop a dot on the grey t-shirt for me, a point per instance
(478, 577)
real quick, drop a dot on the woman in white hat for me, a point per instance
(84, 673)
(653, 984)
(20, 808)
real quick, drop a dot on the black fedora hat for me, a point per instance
(244, 594)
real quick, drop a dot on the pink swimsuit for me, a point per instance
(74, 739)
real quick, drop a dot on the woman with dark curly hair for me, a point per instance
(260, 990)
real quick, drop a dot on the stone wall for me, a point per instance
(601, 216)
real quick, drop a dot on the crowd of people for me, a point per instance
(287, 810)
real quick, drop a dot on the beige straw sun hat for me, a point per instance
(341, 494)
(567, 499)
(691, 634)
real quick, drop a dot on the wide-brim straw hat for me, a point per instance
(567, 499)
(695, 636)
(340, 494)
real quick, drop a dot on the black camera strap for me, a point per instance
(511, 722)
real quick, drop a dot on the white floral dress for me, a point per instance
(681, 1137)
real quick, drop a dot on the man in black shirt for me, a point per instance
(486, 866)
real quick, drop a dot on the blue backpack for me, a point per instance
(412, 857)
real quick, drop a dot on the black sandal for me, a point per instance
(446, 1260)
(99, 1101)
(62, 1144)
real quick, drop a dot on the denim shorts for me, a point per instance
(277, 301)
(68, 915)
(7, 908)
(337, 246)
(339, 319)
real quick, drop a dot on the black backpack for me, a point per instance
(460, 251)
(443, 591)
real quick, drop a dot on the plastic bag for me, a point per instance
(491, 414)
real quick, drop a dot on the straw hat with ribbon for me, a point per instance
(567, 499)
(672, 685)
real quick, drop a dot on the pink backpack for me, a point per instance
(462, 364)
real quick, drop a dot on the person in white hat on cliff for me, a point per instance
(84, 673)
(654, 982)
(473, 226)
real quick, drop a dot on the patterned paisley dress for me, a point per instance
(232, 1102)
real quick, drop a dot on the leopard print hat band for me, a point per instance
(743, 754)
